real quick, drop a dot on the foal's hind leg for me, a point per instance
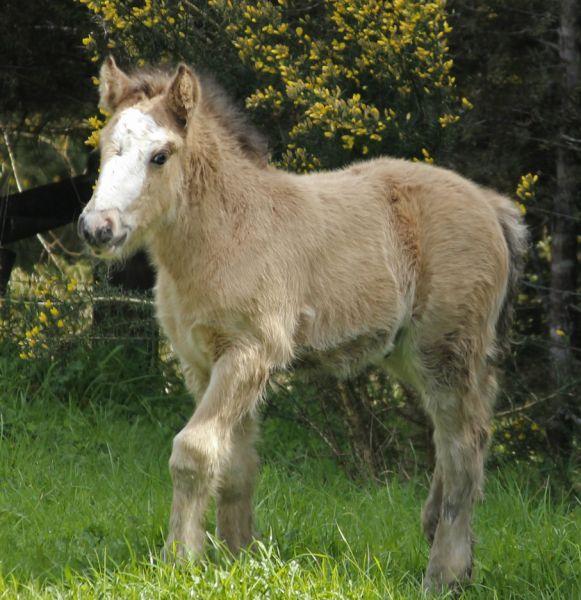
(462, 423)
(234, 500)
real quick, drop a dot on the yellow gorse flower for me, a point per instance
(526, 190)
(50, 323)
(467, 104)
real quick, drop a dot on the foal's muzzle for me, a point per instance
(102, 229)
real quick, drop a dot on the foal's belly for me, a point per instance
(391, 351)
(348, 357)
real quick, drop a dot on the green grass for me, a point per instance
(85, 495)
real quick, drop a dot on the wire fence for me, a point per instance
(45, 316)
(56, 309)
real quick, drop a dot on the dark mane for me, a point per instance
(251, 141)
(153, 82)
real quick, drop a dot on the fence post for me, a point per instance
(7, 258)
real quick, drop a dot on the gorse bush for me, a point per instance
(42, 315)
(52, 316)
(347, 78)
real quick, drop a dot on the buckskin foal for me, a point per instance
(400, 264)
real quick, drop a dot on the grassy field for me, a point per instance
(85, 494)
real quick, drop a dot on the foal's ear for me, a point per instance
(183, 93)
(113, 85)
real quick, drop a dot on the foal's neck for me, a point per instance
(220, 213)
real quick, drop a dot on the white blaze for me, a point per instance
(135, 138)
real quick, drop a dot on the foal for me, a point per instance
(400, 264)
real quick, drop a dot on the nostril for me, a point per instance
(104, 234)
(97, 228)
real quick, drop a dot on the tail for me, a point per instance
(516, 236)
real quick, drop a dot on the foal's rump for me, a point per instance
(470, 242)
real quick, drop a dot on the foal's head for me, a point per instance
(141, 148)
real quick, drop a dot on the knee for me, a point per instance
(462, 458)
(195, 457)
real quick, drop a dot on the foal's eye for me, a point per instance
(159, 159)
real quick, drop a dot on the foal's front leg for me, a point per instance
(203, 450)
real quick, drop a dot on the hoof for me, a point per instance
(176, 552)
(439, 579)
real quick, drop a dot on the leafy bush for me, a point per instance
(334, 80)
